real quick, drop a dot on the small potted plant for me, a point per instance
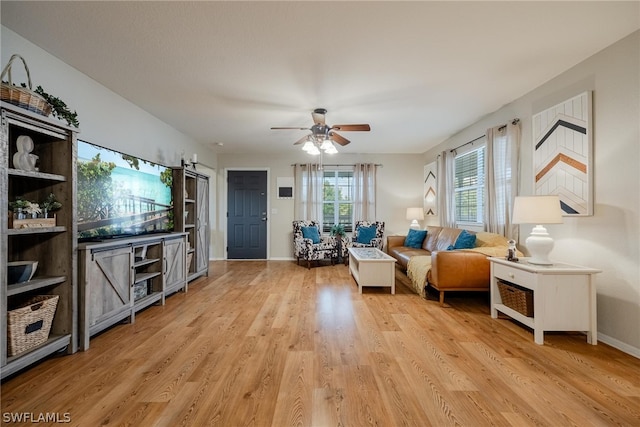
(338, 230)
(18, 207)
(50, 204)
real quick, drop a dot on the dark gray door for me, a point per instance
(247, 215)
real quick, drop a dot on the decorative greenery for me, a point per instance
(59, 108)
(33, 209)
(19, 203)
(338, 230)
(50, 203)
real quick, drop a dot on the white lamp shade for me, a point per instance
(331, 150)
(537, 210)
(308, 145)
(415, 213)
(326, 144)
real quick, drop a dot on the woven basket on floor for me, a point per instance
(29, 326)
(23, 97)
(517, 298)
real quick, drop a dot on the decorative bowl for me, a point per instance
(20, 271)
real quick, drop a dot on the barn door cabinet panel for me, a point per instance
(175, 270)
(105, 291)
(191, 215)
(121, 277)
(37, 158)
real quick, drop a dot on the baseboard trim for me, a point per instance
(624, 347)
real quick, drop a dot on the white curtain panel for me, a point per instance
(308, 187)
(502, 154)
(446, 189)
(364, 192)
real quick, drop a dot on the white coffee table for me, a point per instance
(372, 267)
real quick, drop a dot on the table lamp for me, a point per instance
(538, 210)
(415, 214)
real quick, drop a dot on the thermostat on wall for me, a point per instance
(285, 187)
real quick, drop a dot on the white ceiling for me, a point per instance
(417, 72)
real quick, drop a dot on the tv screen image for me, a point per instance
(121, 195)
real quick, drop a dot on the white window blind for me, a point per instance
(469, 186)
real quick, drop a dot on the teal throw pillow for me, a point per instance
(366, 234)
(311, 233)
(415, 238)
(465, 240)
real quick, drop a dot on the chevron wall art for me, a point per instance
(562, 144)
(430, 189)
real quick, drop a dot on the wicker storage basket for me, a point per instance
(29, 326)
(516, 297)
(21, 96)
(189, 259)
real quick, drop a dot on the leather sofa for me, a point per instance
(447, 270)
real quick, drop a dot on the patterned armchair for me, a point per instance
(304, 247)
(367, 234)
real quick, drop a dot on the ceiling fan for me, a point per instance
(320, 131)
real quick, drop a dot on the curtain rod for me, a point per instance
(467, 143)
(513, 122)
(326, 164)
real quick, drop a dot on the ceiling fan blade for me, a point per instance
(283, 128)
(301, 140)
(338, 138)
(318, 116)
(347, 128)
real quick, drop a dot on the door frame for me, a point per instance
(225, 209)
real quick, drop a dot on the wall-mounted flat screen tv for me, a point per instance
(121, 195)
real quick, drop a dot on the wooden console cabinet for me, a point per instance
(191, 215)
(52, 244)
(120, 277)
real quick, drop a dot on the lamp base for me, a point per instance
(539, 244)
(414, 224)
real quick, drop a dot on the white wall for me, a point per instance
(106, 118)
(399, 185)
(610, 239)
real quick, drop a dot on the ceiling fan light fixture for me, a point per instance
(314, 151)
(308, 146)
(331, 150)
(326, 145)
(322, 138)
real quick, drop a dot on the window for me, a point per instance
(337, 199)
(469, 186)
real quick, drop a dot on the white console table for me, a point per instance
(564, 296)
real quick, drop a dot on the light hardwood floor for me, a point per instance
(274, 344)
